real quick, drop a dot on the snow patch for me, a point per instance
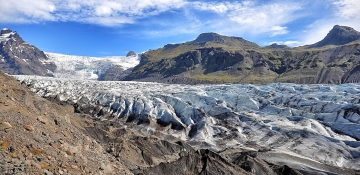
(6, 37)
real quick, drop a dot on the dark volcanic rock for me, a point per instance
(131, 53)
(18, 57)
(339, 35)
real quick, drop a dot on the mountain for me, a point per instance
(210, 58)
(130, 53)
(218, 129)
(18, 57)
(338, 35)
(213, 58)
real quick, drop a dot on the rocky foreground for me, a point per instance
(218, 129)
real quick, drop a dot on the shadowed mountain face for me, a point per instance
(18, 57)
(213, 58)
(339, 35)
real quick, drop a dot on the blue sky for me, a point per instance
(114, 27)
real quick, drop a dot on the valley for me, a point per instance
(214, 105)
(316, 123)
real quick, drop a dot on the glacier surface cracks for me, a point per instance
(310, 124)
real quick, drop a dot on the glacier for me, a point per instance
(309, 126)
(87, 68)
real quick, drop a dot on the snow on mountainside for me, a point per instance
(6, 34)
(83, 67)
(305, 126)
(20, 58)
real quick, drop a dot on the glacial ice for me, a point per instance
(316, 122)
(87, 68)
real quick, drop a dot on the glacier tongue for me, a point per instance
(88, 68)
(315, 122)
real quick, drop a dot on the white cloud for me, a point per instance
(253, 17)
(109, 21)
(278, 30)
(348, 9)
(19, 11)
(105, 12)
(288, 43)
(217, 7)
(246, 18)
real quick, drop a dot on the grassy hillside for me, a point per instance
(224, 59)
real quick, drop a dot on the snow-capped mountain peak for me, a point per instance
(6, 34)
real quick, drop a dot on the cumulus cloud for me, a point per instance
(105, 12)
(288, 43)
(253, 17)
(347, 9)
(115, 12)
(240, 18)
(24, 11)
(278, 30)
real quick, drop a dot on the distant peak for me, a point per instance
(339, 35)
(277, 46)
(344, 28)
(131, 53)
(226, 40)
(206, 37)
